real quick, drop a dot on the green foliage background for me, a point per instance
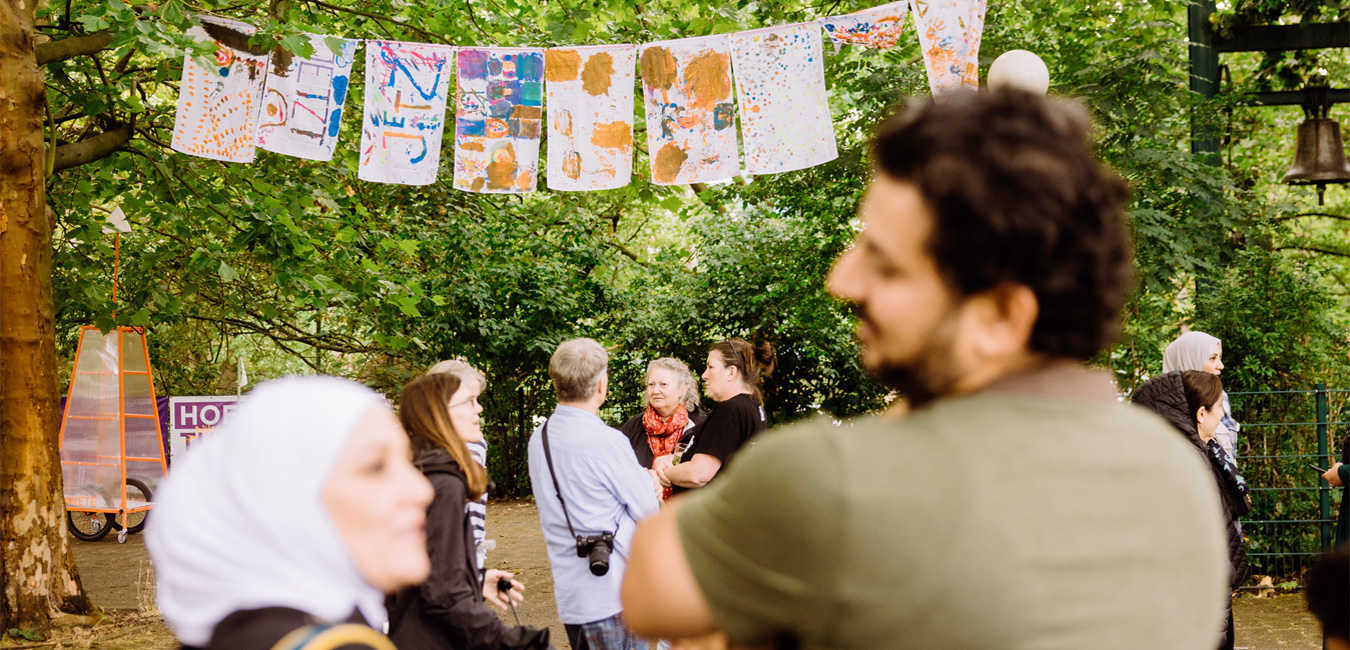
(300, 267)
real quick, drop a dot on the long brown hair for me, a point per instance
(1202, 389)
(424, 410)
(754, 362)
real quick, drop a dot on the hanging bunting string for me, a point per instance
(692, 88)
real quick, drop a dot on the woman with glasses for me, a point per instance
(672, 410)
(735, 370)
(440, 414)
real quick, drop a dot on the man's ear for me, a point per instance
(1000, 320)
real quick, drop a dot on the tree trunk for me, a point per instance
(39, 577)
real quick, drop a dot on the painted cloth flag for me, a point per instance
(303, 101)
(691, 120)
(500, 118)
(780, 85)
(406, 89)
(877, 27)
(949, 35)
(590, 116)
(218, 98)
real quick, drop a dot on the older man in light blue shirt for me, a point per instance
(604, 490)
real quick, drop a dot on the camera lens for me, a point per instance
(600, 559)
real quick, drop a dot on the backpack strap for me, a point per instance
(350, 636)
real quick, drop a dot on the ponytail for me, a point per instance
(765, 359)
(753, 362)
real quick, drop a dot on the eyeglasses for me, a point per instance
(740, 364)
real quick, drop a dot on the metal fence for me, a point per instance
(1284, 434)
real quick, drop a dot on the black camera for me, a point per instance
(597, 549)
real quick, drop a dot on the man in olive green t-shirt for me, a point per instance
(1019, 504)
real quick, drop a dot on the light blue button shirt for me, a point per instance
(605, 489)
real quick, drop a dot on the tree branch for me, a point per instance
(1314, 214)
(320, 342)
(474, 19)
(95, 148)
(378, 18)
(1313, 249)
(69, 48)
(168, 183)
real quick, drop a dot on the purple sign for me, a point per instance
(191, 417)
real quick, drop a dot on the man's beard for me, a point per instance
(932, 372)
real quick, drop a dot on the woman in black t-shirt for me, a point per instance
(735, 370)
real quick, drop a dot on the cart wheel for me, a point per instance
(88, 526)
(121, 537)
(136, 520)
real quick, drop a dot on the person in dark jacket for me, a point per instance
(447, 611)
(672, 410)
(1192, 401)
(1339, 476)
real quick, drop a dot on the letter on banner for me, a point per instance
(302, 104)
(780, 84)
(590, 116)
(497, 126)
(949, 34)
(877, 27)
(218, 98)
(691, 120)
(406, 89)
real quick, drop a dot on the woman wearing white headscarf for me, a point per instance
(1200, 351)
(291, 520)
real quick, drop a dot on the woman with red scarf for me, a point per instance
(672, 409)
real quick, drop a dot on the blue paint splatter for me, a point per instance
(723, 115)
(340, 89)
(502, 108)
(470, 127)
(423, 155)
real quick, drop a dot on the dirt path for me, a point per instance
(118, 577)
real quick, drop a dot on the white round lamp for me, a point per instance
(1019, 69)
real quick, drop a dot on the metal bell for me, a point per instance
(1320, 157)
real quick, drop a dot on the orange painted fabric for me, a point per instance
(691, 118)
(589, 91)
(218, 99)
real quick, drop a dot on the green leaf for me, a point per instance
(227, 273)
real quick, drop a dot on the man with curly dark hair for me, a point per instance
(1327, 588)
(1019, 504)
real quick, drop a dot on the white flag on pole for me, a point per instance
(117, 222)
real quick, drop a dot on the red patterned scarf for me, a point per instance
(662, 436)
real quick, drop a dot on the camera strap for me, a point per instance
(548, 458)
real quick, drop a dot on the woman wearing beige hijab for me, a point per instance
(1200, 351)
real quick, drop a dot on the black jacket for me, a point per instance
(632, 427)
(1166, 396)
(1343, 519)
(264, 628)
(447, 611)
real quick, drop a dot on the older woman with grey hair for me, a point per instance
(672, 409)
